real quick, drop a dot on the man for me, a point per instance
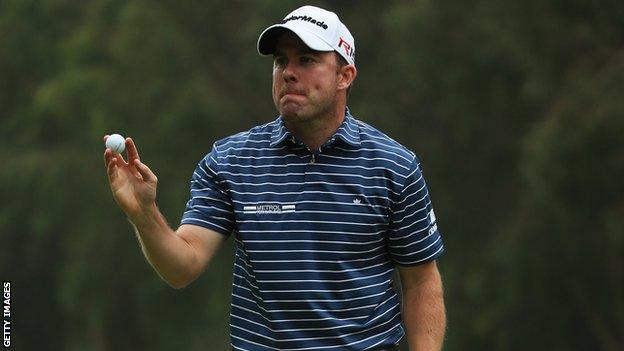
(323, 207)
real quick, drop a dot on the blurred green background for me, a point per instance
(515, 107)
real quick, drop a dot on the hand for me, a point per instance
(132, 183)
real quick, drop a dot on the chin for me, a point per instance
(295, 117)
(290, 113)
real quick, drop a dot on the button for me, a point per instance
(313, 159)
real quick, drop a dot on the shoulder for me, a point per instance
(257, 134)
(381, 145)
(254, 139)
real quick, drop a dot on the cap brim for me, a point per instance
(268, 39)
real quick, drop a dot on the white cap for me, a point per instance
(319, 29)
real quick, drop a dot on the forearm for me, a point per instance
(424, 316)
(171, 256)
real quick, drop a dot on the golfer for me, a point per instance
(322, 207)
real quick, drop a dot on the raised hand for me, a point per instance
(132, 183)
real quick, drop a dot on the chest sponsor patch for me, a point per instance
(268, 209)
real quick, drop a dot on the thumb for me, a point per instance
(146, 173)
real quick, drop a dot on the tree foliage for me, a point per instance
(514, 107)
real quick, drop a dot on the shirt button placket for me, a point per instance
(308, 168)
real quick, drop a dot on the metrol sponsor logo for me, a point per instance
(306, 19)
(268, 209)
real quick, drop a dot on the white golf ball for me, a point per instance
(116, 143)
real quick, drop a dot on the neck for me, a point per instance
(315, 131)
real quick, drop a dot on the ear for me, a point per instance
(346, 76)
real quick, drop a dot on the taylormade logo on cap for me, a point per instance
(319, 29)
(306, 18)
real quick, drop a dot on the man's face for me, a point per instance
(305, 82)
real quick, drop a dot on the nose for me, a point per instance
(288, 74)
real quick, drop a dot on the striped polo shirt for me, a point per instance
(318, 234)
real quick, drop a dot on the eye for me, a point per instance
(279, 61)
(306, 60)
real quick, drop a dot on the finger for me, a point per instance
(131, 151)
(146, 173)
(107, 153)
(120, 159)
(111, 168)
(107, 157)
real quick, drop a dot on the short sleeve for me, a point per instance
(210, 205)
(413, 237)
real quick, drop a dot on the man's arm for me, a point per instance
(423, 306)
(179, 256)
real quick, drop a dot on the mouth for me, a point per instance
(292, 93)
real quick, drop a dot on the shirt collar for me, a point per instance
(349, 131)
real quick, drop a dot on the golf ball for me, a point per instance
(116, 143)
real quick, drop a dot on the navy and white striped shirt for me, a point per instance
(318, 234)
